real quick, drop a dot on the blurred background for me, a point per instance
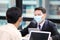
(27, 7)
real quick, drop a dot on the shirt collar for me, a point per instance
(42, 23)
(11, 25)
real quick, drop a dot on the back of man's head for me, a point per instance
(13, 15)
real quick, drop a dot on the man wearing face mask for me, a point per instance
(42, 24)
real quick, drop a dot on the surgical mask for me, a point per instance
(38, 19)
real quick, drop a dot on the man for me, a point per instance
(10, 31)
(40, 23)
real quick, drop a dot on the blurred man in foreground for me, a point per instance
(10, 31)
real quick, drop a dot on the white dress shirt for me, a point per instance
(40, 25)
(9, 32)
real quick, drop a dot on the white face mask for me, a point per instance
(38, 19)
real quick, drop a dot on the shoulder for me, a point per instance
(4, 33)
(8, 35)
(33, 21)
(51, 24)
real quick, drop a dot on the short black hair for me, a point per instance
(41, 8)
(13, 14)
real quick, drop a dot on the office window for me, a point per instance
(53, 9)
(28, 10)
(4, 5)
(2, 22)
(54, 0)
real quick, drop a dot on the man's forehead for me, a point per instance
(39, 11)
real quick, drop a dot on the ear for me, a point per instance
(20, 19)
(44, 16)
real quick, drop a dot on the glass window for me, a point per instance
(2, 22)
(28, 10)
(54, 0)
(4, 5)
(53, 8)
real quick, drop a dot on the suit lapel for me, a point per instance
(44, 25)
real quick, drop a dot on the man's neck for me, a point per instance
(41, 22)
(16, 25)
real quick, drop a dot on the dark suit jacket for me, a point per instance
(47, 26)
